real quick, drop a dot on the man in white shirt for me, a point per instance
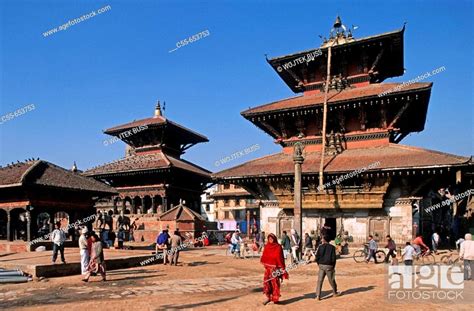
(84, 251)
(435, 241)
(58, 237)
(407, 254)
(467, 254)
(295, 242)
(459, 244)
(236, 240)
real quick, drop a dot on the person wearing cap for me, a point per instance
(84, 250)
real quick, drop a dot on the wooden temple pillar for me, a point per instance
(115, 201)
(153, 207)
(248, 223)
(142, 205)
(165, 203)
(124, 206)
(9, 223)
(28, 225)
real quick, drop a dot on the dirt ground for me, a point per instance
(206, 279)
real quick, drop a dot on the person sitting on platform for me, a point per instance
(120, 237)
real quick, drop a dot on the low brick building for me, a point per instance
(34, 194)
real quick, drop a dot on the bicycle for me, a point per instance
(425, 258)
(246, 250)
(362, 254)
(229, 250)
(451, 259)
(311, 256)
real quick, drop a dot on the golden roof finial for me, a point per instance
(338, 22)
(158, 110)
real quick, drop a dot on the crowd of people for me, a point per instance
(171, 245)
(275, 253)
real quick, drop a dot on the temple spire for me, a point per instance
(158, 110)
(74, 167)
(338, 22)
(339, 34)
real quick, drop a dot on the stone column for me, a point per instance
(9, 222)
(298, 159)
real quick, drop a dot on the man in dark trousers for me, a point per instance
(326, 259)
(392, 248)
(175, 242)
(285, 243)
(58, 237)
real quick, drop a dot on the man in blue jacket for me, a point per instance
(162, 244)
(326, 259)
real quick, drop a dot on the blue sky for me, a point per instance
(112, 68)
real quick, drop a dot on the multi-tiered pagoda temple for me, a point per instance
(152, 177)
(379, 185)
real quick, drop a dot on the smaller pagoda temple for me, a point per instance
(152, 177)
(184, 219)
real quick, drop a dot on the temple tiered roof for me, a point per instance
(160, 122)
(345, 96)
(391, 157)
(145, 162)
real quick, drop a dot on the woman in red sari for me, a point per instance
(274, 264)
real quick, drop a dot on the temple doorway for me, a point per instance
(3, 224)
(331, 223)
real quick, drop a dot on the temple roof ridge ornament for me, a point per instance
(339, 34)
(158, 112)
(74, 167)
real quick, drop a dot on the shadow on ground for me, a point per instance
(358, 290)
(195, 305)
(201, 263)
(326, 295)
